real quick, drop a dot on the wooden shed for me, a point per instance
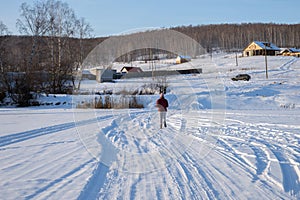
(258, 48)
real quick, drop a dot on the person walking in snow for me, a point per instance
(162, 105)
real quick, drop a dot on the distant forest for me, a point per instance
(15, 50)
(238, 36)
(234, 37)
(228, 37)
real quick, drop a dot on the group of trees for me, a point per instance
(44, 60)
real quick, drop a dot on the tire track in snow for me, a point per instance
(106, 158)
(291, 180)
(26, 135)
(38, 170)
(261, 161)
(46, 191)
(290, 176)
(286, 67)
(230, 179)
(263, 141)
(95, 183)
(201, 183)
(55, 163)
(236, 156)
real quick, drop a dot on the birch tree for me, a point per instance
(3, 29)
(83, 30)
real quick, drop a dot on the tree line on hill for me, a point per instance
(225, 37)
(237, 36)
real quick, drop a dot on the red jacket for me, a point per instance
(162, 104)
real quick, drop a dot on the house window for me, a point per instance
(267, 44)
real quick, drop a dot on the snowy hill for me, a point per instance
(225, 139)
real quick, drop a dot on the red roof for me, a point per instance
(131, 69)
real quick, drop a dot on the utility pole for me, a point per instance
(151, 63)
(236, 59)
(266, 62)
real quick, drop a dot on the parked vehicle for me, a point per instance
(241, 77)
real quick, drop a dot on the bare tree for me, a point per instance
(62, 27)
(3, 29)
(65, 59)
(34, 21)
(84, 30)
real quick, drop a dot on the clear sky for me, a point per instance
(109, 17)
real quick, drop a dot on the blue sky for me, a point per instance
(109, 17)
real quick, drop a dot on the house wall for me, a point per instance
(259, 53)
(252, 50)
(105, 75)
(291, 54)
(124, 71)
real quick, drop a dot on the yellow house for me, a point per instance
(290, 52)
(258, 48)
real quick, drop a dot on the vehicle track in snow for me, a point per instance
(31, 134)
(48, 160)
(193, 162)
(259, 149)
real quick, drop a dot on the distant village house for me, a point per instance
(105, 75)
(290, 52)
(87, 74)
(182, 59)
(258, 48)
(131, 69)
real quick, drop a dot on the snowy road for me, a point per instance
(243, 158)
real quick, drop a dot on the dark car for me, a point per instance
(241, 77)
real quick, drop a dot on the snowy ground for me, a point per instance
(224, 140)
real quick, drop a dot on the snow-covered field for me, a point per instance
(224, 140)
